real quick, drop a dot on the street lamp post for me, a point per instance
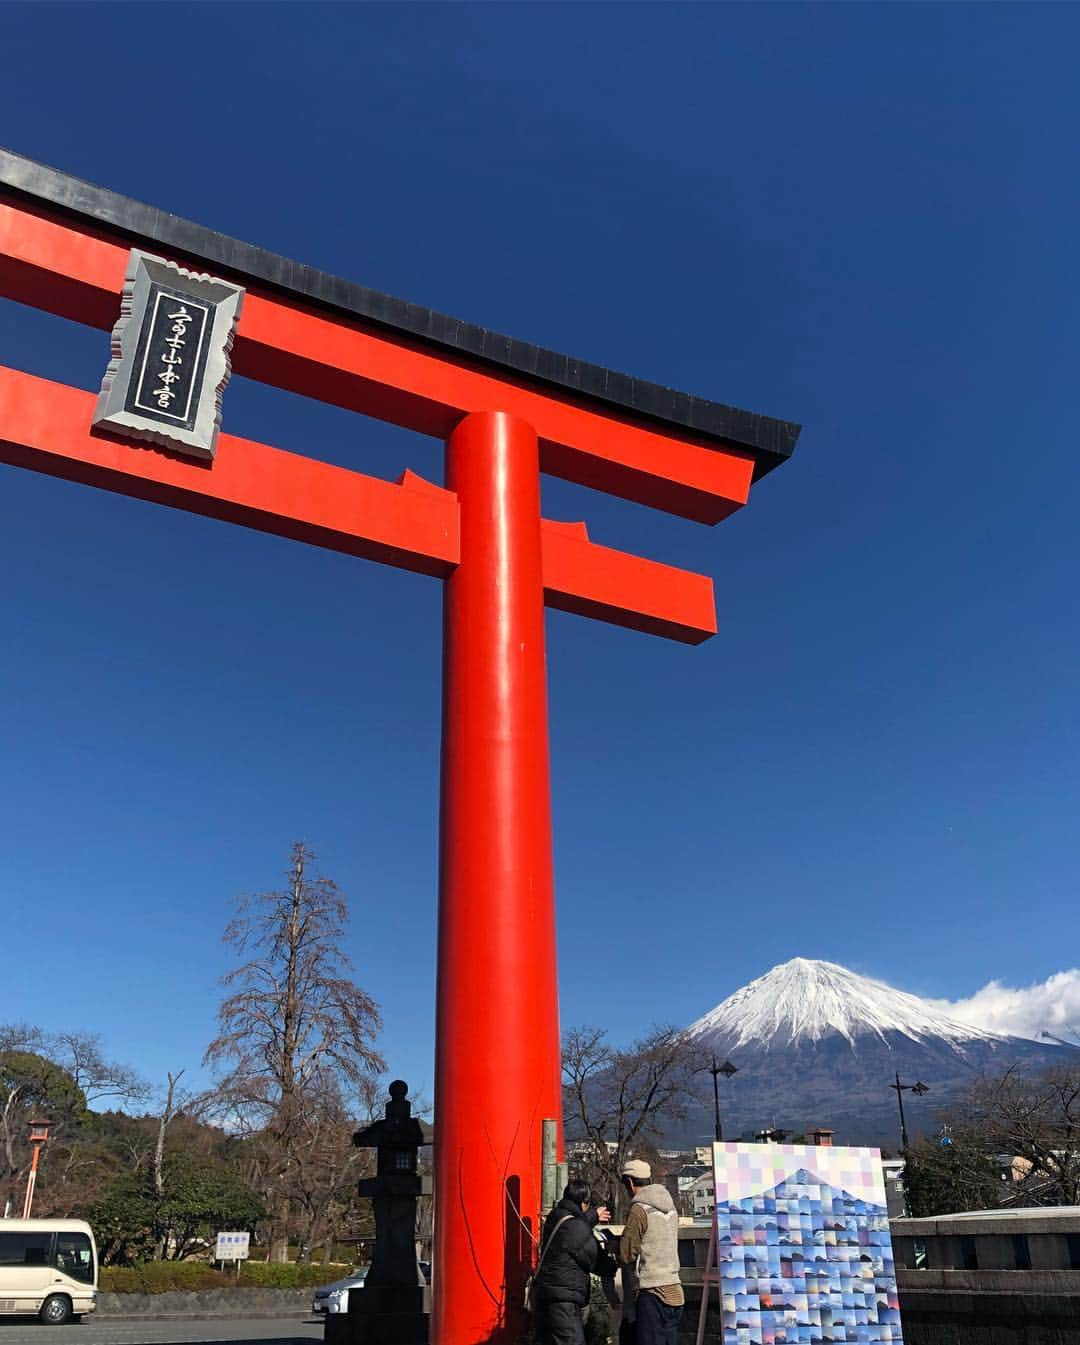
(727, 1069)
(918, 1088)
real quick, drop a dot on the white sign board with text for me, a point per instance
(232, 1246)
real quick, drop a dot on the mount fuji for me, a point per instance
(817, 1045)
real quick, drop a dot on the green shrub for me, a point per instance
(158, 1277)
(288, 1275)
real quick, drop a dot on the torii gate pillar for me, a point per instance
(497, 1074)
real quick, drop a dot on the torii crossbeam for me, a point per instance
(507, 412)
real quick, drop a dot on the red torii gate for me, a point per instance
(507, 411)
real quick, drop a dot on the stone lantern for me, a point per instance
(39, 1137)
(393, 1306)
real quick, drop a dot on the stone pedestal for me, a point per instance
(392, 1315)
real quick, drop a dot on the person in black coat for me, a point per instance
(568, 1257)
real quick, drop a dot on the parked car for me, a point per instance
(335, 1297)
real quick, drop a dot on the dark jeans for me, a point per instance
(657, 1324)
(559, 1323)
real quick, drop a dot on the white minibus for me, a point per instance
(48, 1266)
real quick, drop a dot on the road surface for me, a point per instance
(295, 1330)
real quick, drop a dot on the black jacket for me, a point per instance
(563, 1276)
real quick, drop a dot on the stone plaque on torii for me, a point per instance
(508, 411)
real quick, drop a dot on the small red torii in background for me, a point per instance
(507, 411)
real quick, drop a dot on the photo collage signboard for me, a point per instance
(803, 1246)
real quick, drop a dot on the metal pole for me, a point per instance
(716, 1099)
(497, 1068)
(549, 1149)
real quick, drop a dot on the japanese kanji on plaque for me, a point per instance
(170, 356)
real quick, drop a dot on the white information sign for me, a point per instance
(232, 1246)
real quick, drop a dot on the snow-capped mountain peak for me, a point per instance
(806, 1000)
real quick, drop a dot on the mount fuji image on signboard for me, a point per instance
(803, 1246)
(818, 1045)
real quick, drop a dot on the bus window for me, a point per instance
(74, 1256)
(24, 1249)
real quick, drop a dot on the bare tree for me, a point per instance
(60, 1075)
(1035, 1121)
(167, 1113)
(618, 1100)
(1011, 1137)
(31, 1084)
(326, 1168)
(99, 1079)
(292, 1019)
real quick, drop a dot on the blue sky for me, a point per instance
(860, 217)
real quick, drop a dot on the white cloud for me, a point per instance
(1050, 1006)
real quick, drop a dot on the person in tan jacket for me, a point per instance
(650, 1244)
